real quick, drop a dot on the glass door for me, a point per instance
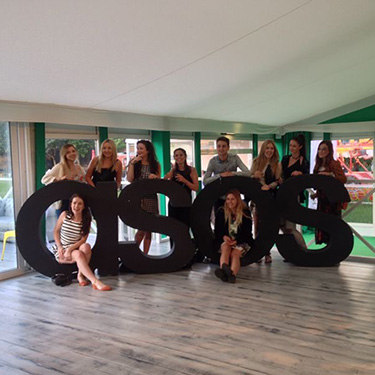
(8, 248)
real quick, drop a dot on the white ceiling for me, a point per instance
(268, 62)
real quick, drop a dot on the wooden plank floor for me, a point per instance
(278, 319)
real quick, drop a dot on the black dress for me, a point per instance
(181, 213)
(300, 166)
(106, 174)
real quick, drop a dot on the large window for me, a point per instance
(356, 156)
(242, 147)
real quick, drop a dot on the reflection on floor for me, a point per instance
(10, 259)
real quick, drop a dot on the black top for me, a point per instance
(185, 173)
(299, 165)
(244, 231)
(105, 175)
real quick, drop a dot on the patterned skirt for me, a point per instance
(149, 203)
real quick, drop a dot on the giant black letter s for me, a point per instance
(132, 214)
(341, 237)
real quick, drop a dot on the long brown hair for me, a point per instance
(239, 210)
(319, 162)
(86, 214)
(261, 161)
(152, 159)
(185, 164)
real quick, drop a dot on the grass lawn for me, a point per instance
(359, 248)
(361, 214)
(4, 187)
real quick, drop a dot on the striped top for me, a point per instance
(70, 232)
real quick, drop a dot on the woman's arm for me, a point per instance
(56, 234)
(90, 171)
(53, 175)
(118, 173)
(75, 246)
(130, 174)
(274, 185)
(81, 174)
(338, 171)
(194, 176)
(169, 175)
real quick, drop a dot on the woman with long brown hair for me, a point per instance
(70, 234)
(186, 176)
(326, 165)
(293, 165)
(145, 166)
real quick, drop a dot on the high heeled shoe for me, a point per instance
(105, 288)
(83, 283)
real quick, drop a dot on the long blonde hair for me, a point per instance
(99, 165)
(261, 161)
(239, 210)
(63, 160)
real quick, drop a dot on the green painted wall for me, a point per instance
(103, 134)
(255, 145)
(364, 114)
(162, 143)
(197, 156)
(40, 152)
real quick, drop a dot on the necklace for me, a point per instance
(296, 157)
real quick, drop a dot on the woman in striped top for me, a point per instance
(70, 234)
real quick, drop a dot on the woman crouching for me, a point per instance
(70, 234)
(233, 229)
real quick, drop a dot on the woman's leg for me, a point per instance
(86, 250)
(139, 237)
(147, 242)
(224, 260)
(84, 269)
(225, 254)
(235, 261)
(290, 228)
(256, 222)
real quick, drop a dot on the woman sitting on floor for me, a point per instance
(233, 230)
(70, 234)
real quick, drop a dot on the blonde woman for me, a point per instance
(106, 166)
(266, 169)
(68, 169)
(233, 230)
